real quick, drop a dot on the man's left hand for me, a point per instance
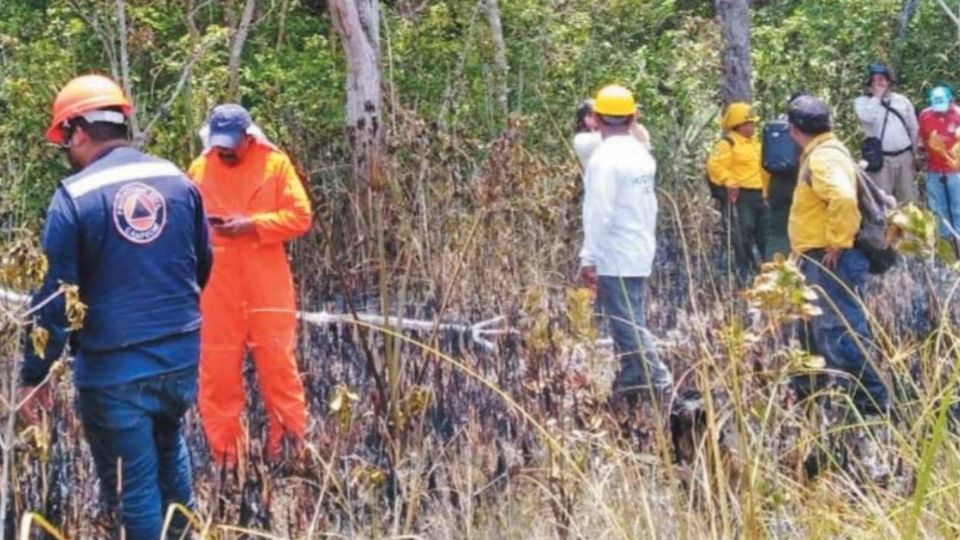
(34, 401)
(832, 257)
(234, 226)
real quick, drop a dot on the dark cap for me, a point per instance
(809, 115)
(228, 125)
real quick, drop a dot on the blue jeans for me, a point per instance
(943, 197)
(139, 424)
(828, 335)
(621, 300)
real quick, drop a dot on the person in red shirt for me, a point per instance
(939, 126)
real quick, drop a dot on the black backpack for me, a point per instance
(874, 205)
(779, 153)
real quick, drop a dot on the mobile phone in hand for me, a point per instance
(215, 220)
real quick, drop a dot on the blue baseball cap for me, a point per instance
(940, 99)
(228, 125)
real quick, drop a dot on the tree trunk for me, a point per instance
(125, 71)
(735, 22)
(492, 9)
(237, 41)
(358, 24)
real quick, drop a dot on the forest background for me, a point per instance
(466, 210)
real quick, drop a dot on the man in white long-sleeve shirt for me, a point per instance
(890, 117)
(619, 227)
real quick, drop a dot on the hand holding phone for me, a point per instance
(231, 226)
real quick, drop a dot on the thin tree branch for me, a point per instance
(181, 84)
(946, 9)
(106, 38)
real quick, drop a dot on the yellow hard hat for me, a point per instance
(614, 100)
(737, 114)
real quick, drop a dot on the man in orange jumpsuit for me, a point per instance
(255, 202)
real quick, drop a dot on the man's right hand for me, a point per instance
(33, 402)
(733, 193)
(234, 226)
(588, 277)
(879, 87)
(831, 258)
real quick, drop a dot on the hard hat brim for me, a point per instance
(54, 134)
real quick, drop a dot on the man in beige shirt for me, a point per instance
(890, 117)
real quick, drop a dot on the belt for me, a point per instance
(898, 152)
(751, 190)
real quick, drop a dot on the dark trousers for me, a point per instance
(779, 200)
(139, 424)
(841, 335)
(751, 222)
(620, 299)
(745, 228)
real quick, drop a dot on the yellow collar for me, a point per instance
(817, 141)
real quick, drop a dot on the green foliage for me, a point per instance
(438, 63)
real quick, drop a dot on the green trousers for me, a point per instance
(750, 216)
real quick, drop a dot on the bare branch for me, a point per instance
(237, 42)
(103, 34)
(125, 71)
(181, 84)
(190, 20)
(949, 11)
(492, 9)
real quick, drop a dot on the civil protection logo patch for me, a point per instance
(139, 212)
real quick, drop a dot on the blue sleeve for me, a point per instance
(204, 248)
(61, 244)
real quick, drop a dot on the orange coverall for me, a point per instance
(249, 301)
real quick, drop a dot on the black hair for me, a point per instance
(102, 131)
(584, 109)
(614, 120)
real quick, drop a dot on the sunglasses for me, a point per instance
(67, 130)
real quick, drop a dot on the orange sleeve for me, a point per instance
(293, 215)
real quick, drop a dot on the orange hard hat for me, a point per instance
(82, 95)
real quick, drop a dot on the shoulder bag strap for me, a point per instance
(899, 117)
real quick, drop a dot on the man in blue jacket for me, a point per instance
(129, 231)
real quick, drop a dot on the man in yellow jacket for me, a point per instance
(824, 222)
(735, 168)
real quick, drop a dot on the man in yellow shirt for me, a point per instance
(735, 166)
(824, 222)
